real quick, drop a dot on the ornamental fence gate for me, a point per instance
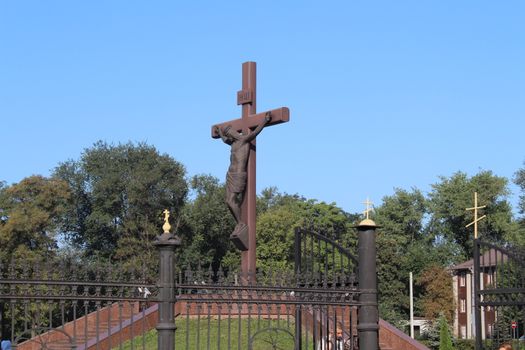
(499, 296)
(316, 304)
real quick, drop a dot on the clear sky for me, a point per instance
(382, 94)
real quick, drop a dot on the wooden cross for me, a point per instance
(249, 121)
(476, 219)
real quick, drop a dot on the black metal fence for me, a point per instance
(499, 295)
(280, 311)
(62, 304)
(321, 262)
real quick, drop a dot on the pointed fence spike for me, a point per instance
(251, 277)
(12, 269)
(210, 276)
(231, 277)
(62, 273)
(180, 276)
(188, 275)
(198, 275)
(220, 275)
(48, 269)
(108, 270)
(277, 278)
(25, 269)
(98, 276)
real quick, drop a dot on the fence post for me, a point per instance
(298, 312)
(3, 320)
(368, 319)
(166, 244)
(477, 307)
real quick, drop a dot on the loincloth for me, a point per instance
(236, 182)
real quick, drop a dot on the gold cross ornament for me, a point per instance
(166, 227)
(476, 219)
(368, 208)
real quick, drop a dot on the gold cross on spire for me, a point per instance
(166, 227)
(476, 219)
(368, 208)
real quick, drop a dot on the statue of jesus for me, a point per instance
(236, 177)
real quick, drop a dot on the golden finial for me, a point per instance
(166, 227)
(367, 221)
(476, 219)
(368, 209)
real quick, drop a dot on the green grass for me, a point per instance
(198, 335)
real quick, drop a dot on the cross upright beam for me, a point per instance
(249, 106)
(251, 121)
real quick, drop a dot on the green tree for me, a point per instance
(271, 197)
(402, 214)
(518, 235)
(519, 179)
(399, 242)
(3, 216)
(119, 193)
(207, 224)
(276, 227)
(275, 237)
(451, 196)
(30, 211)
(445, 338)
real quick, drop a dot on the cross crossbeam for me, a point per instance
(279, 115)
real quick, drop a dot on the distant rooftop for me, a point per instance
(489, 258)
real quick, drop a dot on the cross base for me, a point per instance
(240, 237)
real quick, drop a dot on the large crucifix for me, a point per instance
(240, 179)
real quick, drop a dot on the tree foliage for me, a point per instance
(450, 197)
(519, 179)
(424, 235)
(276, 227)
(401, 219)
(119, 193)
(435, 335)
(445, 338)
(30, 211)
(207, 224)
(438, 298)
(402, 213)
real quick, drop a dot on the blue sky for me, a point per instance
(382, 94)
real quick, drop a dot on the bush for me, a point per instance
(465, 344)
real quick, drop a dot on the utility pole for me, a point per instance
(411, 306)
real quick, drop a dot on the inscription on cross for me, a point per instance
(240, 134)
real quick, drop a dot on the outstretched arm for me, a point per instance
(221, 134)
(259, 128)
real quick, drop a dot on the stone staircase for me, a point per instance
(118, 323)
(391, 338)
(108, 327)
